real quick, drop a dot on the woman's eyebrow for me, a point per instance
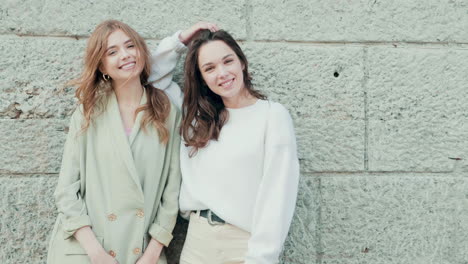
(113, 46)
(208, 63)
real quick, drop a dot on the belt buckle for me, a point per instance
(210, 221)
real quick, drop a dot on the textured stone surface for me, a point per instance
(362, 20)
(416, 219)
(32, 146)
(331, 145)
(302, 244)
(27, 216)
(322, 89)
(150, 18)
(414, 145)
(33, 74)
(418, 117)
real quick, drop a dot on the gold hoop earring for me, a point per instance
(105, 77)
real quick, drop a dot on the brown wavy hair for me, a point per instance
(93, 90)
(203, 111)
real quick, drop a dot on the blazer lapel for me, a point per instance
(136, 126)
(121, 143)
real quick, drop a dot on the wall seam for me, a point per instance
(318, 230)
(249, 37)
(366, 108)
(248, 20)
(373, 173)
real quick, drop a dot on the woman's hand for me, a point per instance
(102, 258)
(145, 259)
(152, 253)
(186, 35)
(90, 244)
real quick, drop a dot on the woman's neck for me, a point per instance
(245, 99)
(129, 92)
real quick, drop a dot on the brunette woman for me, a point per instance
(117, 193)
(238, 159)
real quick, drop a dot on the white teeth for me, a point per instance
(128, 66)
(227, 84)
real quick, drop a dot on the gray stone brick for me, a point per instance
(363, 20)
(328, 111)
(413, 145)
(154, 19)
(27, 216)
(331, 145)
(33, 75)
(412, 218)
(302, 244)
(417, 108)
(32, 146)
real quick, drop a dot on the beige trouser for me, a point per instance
(218, 244)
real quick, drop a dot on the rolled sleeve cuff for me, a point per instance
(71, 225)
(179, 47)
(160, 234)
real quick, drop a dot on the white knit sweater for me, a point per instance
(249, 177)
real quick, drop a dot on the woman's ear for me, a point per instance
(101, 68)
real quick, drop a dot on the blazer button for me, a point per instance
(140, 213)
(112, 253)
(136, 251)
(112, 217)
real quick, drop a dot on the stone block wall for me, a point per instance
(378, 91)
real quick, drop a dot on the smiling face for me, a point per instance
(222, 70)
(121, 60)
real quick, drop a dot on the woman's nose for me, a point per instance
(125, 54)
(222, 71)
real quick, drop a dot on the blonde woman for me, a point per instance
(117, 193)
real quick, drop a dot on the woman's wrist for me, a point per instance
(95, 252)
(88, 241)
(154, 249)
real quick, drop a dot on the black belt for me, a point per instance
(212, 218)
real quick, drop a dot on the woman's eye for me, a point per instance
(131, 46)
(229, 61)
(112, 52)
(207, 69)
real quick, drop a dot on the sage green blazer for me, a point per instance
(125, 188)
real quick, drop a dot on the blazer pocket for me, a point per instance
(73, 247)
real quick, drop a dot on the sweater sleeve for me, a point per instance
(70, 191)
(166, 216)
(163, 62)
(276, 199)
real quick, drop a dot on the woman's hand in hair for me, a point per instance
(186, 35)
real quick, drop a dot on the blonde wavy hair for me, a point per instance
(93, 89)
